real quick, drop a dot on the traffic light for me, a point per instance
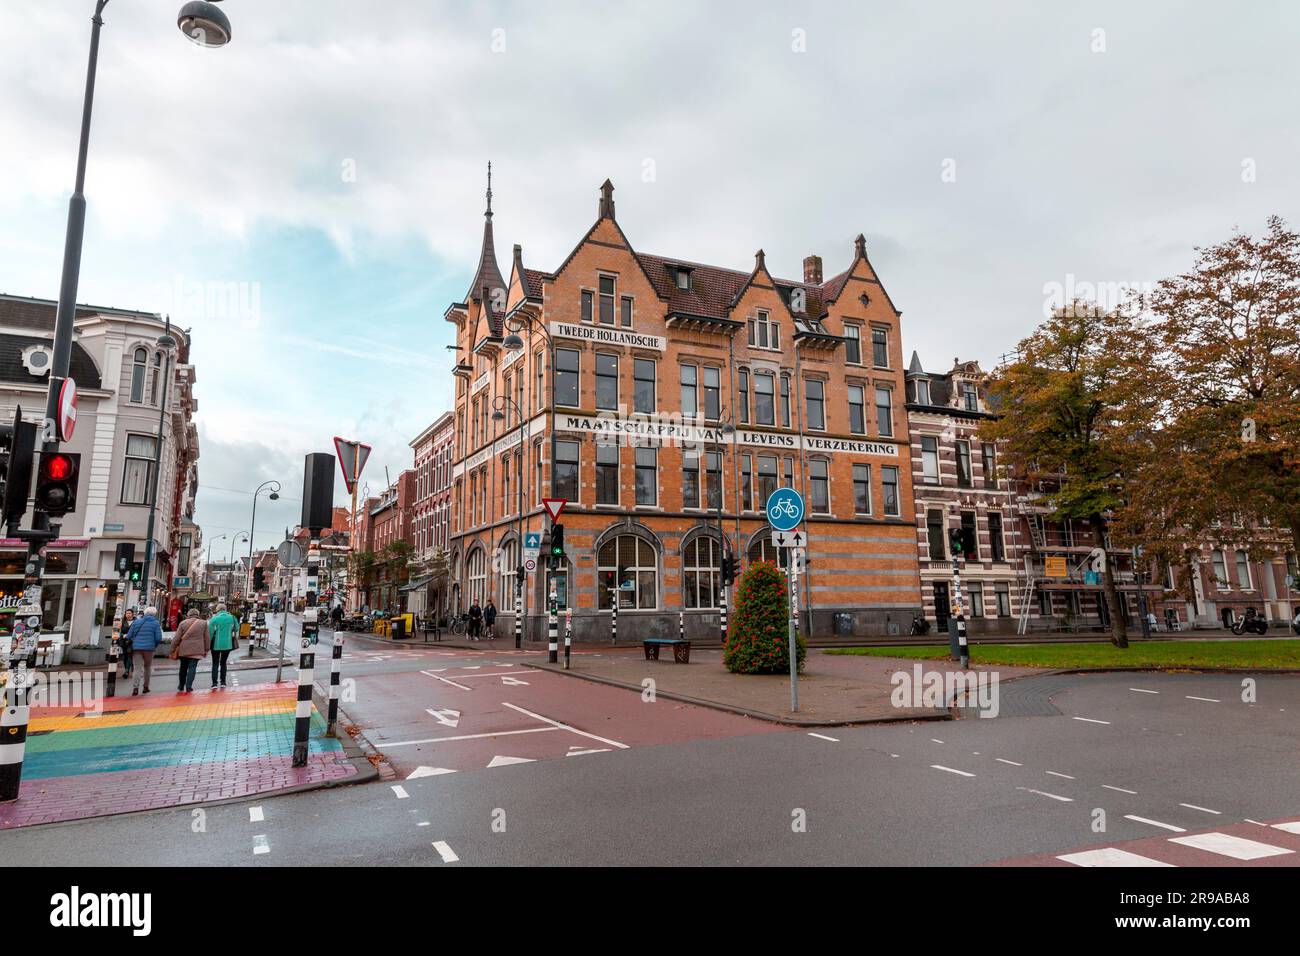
(557, 542)
(519, 574)
(124, 558)
(56, 482)
(259, 578)
(954, 542)
(16, 462)
(137, 572)
(728, 570)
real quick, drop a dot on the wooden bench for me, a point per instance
(681, 648)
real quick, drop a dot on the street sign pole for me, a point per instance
(552, 625)
(614, 595)
(794, 644)
(568, 635)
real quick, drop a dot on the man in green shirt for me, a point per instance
(222, 631)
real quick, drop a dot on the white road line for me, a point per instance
(400, 791)
(499, 733)
(508, 674)
(255, 815)
(1004, 760)
(1238, 848)
(1089, 720)
(1154, 823)
(260, 845)
(423, 824)
(1139, 690)
(445, 680)
(1292, 827)
(1192, 806)
(1044, 793)
(935, 740)
(960, 773)
(833, 740)
(1110, 856)
(1106, 786)
(1208, 700)
(447, 853)
(1053, 773)
(1258, 824)
(556, 723)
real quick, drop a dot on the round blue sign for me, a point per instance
(784, 509)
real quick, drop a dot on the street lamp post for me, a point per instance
(208, 563)
(167, 343)
(230, 575)
(499, 404)
(252, 524)
(728, 429)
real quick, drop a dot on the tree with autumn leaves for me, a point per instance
(758, 637)
(1174, 418)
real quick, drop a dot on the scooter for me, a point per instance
(1251, 622)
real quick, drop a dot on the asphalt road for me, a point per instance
(502, 765)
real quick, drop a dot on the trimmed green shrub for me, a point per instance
(758, 636)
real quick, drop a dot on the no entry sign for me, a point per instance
(67, 409)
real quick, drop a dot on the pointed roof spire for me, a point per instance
(606, 208)
(760, 260)
(914, 368)
(860, 246)
(488, 275)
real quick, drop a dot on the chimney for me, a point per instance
(606, 208)
(812, 270)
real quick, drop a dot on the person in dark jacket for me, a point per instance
(475, 621)
(145, 635)
(490, 619)
(189, 645)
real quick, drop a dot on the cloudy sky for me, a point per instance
(328, 166)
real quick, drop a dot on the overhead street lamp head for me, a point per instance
(513, 343)
(166, 341)
(498, 416)
(204, 23)
(275, 496)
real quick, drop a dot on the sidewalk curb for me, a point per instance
(745, 712)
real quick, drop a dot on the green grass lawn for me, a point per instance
(1247, 655)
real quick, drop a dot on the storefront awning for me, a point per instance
(417, 583)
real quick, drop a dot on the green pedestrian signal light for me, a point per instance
(137, 571)
(954, 541)
(557, 541)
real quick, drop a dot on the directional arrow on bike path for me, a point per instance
(448, 717)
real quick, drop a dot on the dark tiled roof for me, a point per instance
(81, 366)
(533, 279)
(20, 312)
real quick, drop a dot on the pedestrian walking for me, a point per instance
(189, 646)
(336, 615)
(490, 619)
(146, 634)
(223, 631)
(124, 642)
(475, 620)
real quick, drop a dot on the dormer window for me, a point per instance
(923, 391)
(764, 332)
(684, 279)
(970, 397)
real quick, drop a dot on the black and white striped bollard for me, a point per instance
(963, 646)
(568, 635)
(307, 657)
(681, 625)
(613, 620)
(336, 666)
(724, 616)
(552, 630)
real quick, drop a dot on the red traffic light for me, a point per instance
(56, 467)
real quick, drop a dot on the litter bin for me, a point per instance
(843, 624)
(398, 625)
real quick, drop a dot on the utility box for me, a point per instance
(843, 624)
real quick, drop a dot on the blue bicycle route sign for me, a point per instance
(784, 509)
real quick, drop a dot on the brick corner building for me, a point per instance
(678, 396)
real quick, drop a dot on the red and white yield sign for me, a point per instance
(352, 459)
(67, 409)
(554, 506)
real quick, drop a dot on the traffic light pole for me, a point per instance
(115, 646)
(307, 654)
(963, 648)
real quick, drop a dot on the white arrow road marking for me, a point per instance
(447, 853)
(499, 761)
(260, 845)
(1154, 823)
(445, 680)
(255, 815)
(400, 791)
(419, 772)
(560, 726)
(448, 717)
(514, 682)
(960, 773)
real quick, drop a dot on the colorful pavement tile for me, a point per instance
(164, 750)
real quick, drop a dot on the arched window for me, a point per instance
(477, 578)
(155, 375)
(138, 367)
(508, 561)
(627, 565)
(761, 549)
(701, 577)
